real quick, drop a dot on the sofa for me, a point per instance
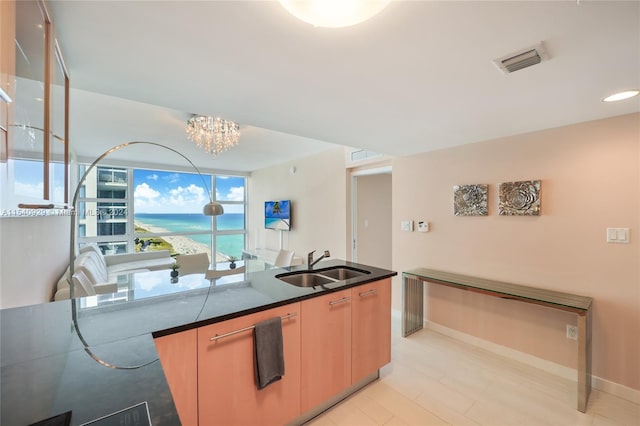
(95, 273)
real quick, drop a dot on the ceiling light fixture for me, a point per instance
(334, 13)
(213, 134)
(621, 96)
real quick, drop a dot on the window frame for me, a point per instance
(130, 236)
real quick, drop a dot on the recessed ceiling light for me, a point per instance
(620, 96)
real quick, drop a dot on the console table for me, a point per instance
(413, 310)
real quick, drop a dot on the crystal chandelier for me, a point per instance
(213, 134)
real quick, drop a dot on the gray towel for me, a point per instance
(269, 358)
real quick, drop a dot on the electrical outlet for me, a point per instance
(572, 332)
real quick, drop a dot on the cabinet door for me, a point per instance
(179, 357)
(227, 391)
(371, 328)
(326, 347)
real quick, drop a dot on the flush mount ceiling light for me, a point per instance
(334, 13)
(213, 134)
(621, 96)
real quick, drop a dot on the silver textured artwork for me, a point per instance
(470, 200)
(519, 198)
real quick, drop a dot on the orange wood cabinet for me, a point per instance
(333, 341)
(227, 391)
(371, 328)
(326, 347)
(178, 354)
(7, 68)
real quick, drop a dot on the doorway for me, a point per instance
(371, 217)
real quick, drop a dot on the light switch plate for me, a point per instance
(618, 235)
(406, 225)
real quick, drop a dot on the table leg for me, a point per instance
(412, 305)
(584, 360)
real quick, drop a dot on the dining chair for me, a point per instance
(193, 263)
(284, 258)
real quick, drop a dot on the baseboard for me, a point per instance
(616, 389)
(396, 314)
(599, 383)
(539, 363)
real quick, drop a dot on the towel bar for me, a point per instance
(251, 327)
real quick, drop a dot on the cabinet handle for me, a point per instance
(343, 300)
(368, 293)
(251, 327)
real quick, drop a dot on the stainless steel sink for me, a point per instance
(305, 279)
(341, 273)
(320, 277)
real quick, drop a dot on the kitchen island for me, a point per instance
(94, 356)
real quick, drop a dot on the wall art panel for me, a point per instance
(519, 198)
(470, 200)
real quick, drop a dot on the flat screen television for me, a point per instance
(277, 215)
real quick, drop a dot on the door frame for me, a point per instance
(354, 203)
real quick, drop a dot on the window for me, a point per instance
(127, 210)
(103, 209)
(23, 182)
(230, 227)
(168, 212)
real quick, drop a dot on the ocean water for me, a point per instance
(229, 245)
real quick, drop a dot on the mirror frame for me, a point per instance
(52, 52)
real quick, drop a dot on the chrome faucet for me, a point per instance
(311, 262)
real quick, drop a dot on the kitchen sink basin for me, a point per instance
(342, 273)
(305, 279)
(321, 276)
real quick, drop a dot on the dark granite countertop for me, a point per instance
(105, 360)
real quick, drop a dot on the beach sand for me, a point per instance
(180, 244)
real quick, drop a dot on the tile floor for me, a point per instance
(436, 380)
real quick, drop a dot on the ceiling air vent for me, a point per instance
(363, 154)
(522, 59)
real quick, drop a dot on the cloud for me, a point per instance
(146, 199)
(172, 178)
(29, 190)
(192, 190)
(190, 198)
(148, 282)
(145, 191)
(235, 194)
(179, 199)
(152, 177)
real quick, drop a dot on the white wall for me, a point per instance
(318, 194)
(34, 252)
(590, 175)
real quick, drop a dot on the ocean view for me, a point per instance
(227, 245)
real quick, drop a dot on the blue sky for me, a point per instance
(28, 179)
(171, 192)
(154, 191)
